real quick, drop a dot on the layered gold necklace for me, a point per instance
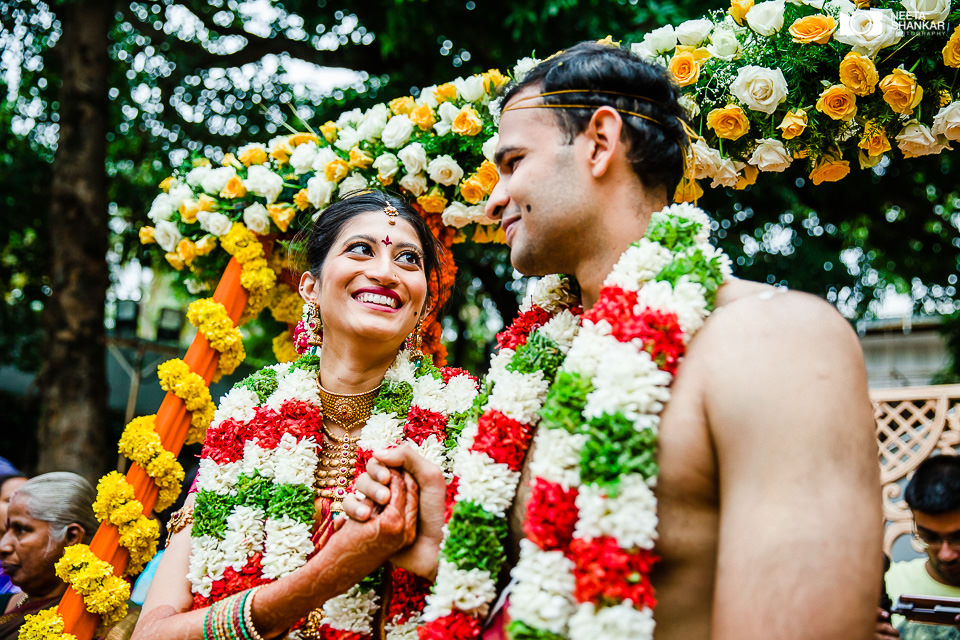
(339, 455)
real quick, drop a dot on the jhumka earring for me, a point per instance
(414, 341)
(314, 326)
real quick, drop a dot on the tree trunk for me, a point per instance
(73, 378)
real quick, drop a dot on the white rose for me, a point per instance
(427, 97)
(166, 235)
(373, 122)
(448, 113)
(387, 165)
(693, 32)
(947, 122)
(868, 30)
(415, 183)
(256, 218)
(303, 156)
(353, 182)
(689, 105)
(766, 18)
(349, 118)
(161, 208)
(217, 179)
(724, 44)
(838, 7)
(444, 170)
(196, 175)
(456, 215)
(661, 40)
(523, 67)
(319, 191)
(213, 222)
(916, 139)
(705, 159)
(325, 155)
(178, 194)
(470, 89)
(413, 157)
(930, 10)
(478, 213)
(397, 131)
(759, 88)
(489, 148)
(643, 51)
(263, 182)
(770, 155)
(347, 138)
(726, 174)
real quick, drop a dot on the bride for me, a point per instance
(259, 550)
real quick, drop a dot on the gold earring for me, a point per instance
(314, 325)
(414, 341)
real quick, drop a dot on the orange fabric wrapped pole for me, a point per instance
(172, 423)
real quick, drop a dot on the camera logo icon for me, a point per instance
(865, 24)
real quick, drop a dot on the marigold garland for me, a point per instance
(117, 504)
(44, 625)
(256, 277)
(211, 319)
(285, 304)
(175, 375)
(103, 593)
(141, 444)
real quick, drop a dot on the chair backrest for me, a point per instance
(912, 423)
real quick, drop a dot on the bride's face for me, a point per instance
(372, 284)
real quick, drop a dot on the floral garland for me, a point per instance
(597, 391)
(256, 275)
(254, 512)
(141, 444)
(44, 625)
(117, 504)
(211, 319)
(175, 376)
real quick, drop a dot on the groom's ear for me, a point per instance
(603, 137)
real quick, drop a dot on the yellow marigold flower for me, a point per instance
(793, 124)
(403, 105)
(433, 201)
(283, 214)
(901, 91)
(336, 170)
(201, 162)
(423, 117)
(685, 68)
(951, 50)
(167, 182)
(253, 155)
(283, 348)
(360, 159)
(187, 250)
(301, 200)
(301, 138)
(174, 260)
(488, 176)
(739, 8)
(747, 178)
(445, 92)
(859, 74)
(471, 190)
(838, 102)
(829, 169)
(329, 131)
(44, 625)
(874, 139)
(729, 123)
(285, 304)
(207, 203)
(467, 122)
(493, 80)
(815, 29)
(688, 190)
(147, 235)
(234, 188)
(206, 244)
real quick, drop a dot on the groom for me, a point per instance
(769, 501)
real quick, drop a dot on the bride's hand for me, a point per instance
(421, 556)
(394, 527)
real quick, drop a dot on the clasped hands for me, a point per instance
(425, 487)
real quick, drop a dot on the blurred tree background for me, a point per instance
(100, 99)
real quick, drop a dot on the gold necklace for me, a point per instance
(338, 457)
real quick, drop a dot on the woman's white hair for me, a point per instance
(60, 499)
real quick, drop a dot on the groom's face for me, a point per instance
(541, 196)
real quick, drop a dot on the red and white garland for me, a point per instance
(591, 521)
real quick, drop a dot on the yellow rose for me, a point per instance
(901, 91)
(175, 260)
(874, 139)
(815, 29)
(838, 102)
(493, 80)
(253, 155)
(402, 106)
(445, 92)
(329, 131)
(488, 176)
(281, 214)
(423, 117)
(234, 188)
(793, 124)
(201, 162)
(739, 9)
(800, 154)
(146, 235)
(188, 211)
(301, 200)
(729, 123)
(472, 190)
(951, 51)
(687, 191)
(360, 159)
(829, 169)
(684, 68)
(206, 203)
(302, 137)
(336, 170)
(230, 160)
(281, 154)
(187, 250)
(385, 181)
(747, 178)
(206, 244)
(859, 74)
(433, 201)
(167, 183)
(467, 122)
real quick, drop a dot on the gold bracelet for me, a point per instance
(179, 520)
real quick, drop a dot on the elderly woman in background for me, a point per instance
(10, 480)
(46, 515)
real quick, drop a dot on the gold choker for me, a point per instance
(347, 409)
